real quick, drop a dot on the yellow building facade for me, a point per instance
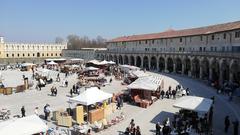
(30, 50)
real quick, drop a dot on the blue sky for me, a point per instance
(43, 20)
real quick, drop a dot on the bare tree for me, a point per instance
(59, 40)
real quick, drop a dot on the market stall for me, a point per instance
(144, 89)
(194, 103)
(23, 126)
(91, 97)
(27, 66)
(90, 71)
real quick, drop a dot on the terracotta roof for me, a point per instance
(181, 33)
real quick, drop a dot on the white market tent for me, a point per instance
(194, 103)
(151, 83)
(76, 59)
(111, 62)
(96, 62)
(91, 96)
(23, 126)
(27, 64)
(90, 69)
(127, 68)
(138, 73)
(51, 63)
(60, 59)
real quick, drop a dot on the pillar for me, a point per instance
(157, 65)
(230, 76)
(166, 68)
(220, 77)
(191, 70)
(141, 62)
(183, 69)
(135, 61)
(149, 63)
(174, 67)
(201, 72)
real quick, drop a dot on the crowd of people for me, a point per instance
(132, 129)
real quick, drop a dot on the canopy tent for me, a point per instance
(151, 83)
(127, 68)
(51, 63)
(60, 59)
(90, 69)
(96, 62)
(103, 63)
(138, 73)
(111, 62)
(76, 59)
(194, 103)
(23, 126)
(90, 96)
(27, 64)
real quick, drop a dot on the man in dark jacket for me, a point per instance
(226, 124)
(23, 111)
(158, 129)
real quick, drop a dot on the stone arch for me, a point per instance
(153, 63)
(132, 60)
(120, 59)
(205, 68)
(161, 64)
(235, 72)
(126, 60)
(138, 61)
(215, 70)
(178, 65)
(196, 67)
(225, 70)
(145, 62)
(170, 64)
(102, 57)
(111, 57)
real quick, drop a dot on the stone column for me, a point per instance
(157, 65)
(142, 62)
(201, 72)
(166, 68)
(149, 63)
(220, 77)
(191, 71)
(174, 67)
(210, 74)
(230, 76)
(183, 69)
(135, 61)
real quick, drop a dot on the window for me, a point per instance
(224, 36)
(180, 39)
(211, 49)
(183, 49)
(7, 55)
(201, 38)
(23, 55)
(215, 48)
(60, 54)
(146, 42)
(152, 41)
(51, 54)
(154, 49)
(33, 54)
(213, 37)
(43, 54)
(180, 49)
(18, 54)
(47, 54)
(28, 55)
(56, 54)
(12, 55)
(200, 49)
(204, 49)
(237, 34)
(139, 42)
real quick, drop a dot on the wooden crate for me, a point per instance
(7, 91)
(65, 121)
(1, 90)
(79, 114)
(96, 115)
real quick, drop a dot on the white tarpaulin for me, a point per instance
(90, 69)
(111, 62)
(96, 62)
(151, 83)
(23, 126)
(193, 103)
(91, 96)
(51, 63)
(138, 73)
(127, 68)
(27, 64)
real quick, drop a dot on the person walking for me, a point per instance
(158, 129)
(23, 111)
(36, 111)
(226, 124)
(235, 127)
